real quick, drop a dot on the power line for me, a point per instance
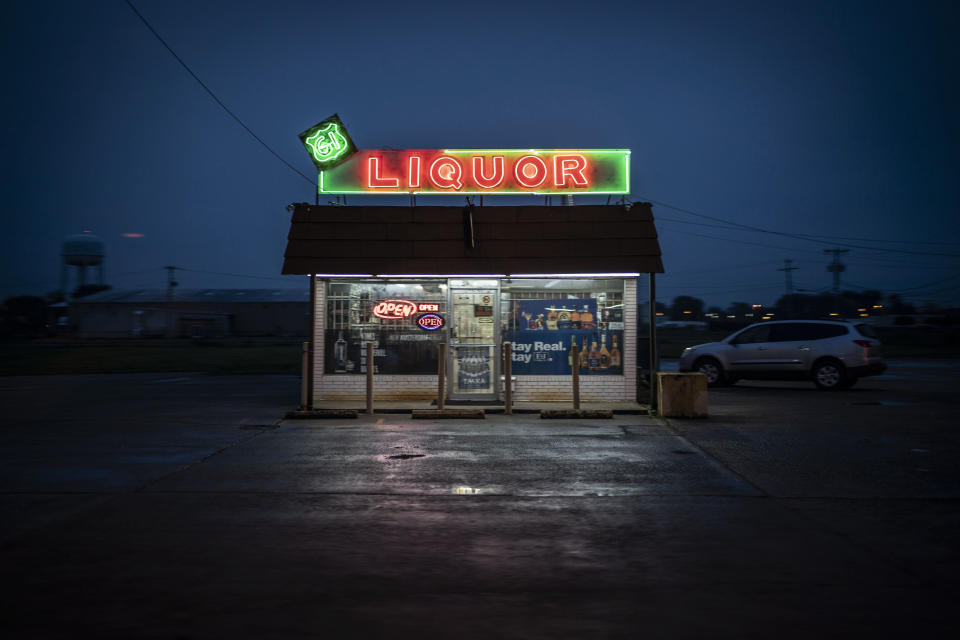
(795, 236)
(756, 244)
(879, 261)
(726, 268)
(910, 289)
(809, 235)
(213, 95)
(832, 239)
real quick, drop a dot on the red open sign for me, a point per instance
(394, 309)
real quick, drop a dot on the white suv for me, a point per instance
(832, 354)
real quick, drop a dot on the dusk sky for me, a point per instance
(836, 120)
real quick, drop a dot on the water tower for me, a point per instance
(81, 251)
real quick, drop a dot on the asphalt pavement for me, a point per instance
(181, 506)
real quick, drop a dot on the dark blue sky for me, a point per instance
(835, 119)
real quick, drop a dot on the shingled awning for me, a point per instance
(508, 240)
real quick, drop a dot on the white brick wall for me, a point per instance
(527, 388)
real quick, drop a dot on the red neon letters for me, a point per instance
(480, 178)
(445, 173)
(394, 309)
(436, 170)
(375, 181)
(397, 309)
(530, 171)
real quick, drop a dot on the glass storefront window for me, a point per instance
(387, 314)
(545, 318)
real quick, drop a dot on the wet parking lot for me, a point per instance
(180, 506)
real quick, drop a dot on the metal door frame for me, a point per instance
(494, 395)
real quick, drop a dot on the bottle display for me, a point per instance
(552, 320)
(604, 354)
(615, 353)
(584, 355)
(575, 319)
(340, 353)
(563, 319)
(586, 319)
(594, 359)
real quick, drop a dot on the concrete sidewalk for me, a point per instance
(406, 406)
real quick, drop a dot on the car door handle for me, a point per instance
(804, 348)
(761, 348)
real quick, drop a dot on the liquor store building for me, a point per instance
(409, 279)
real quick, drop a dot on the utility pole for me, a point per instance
(786, 270)
(836, 267)
(171, 281)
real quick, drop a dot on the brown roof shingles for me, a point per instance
(511, 240)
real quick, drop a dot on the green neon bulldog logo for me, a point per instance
(327, 143)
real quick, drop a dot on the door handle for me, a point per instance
(804, 348)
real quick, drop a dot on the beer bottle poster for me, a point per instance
(544, 353)
(559, 314)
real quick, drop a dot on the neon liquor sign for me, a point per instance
(481, 171)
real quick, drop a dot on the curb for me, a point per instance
(575, 413)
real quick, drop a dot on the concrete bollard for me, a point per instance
(441, 374)
(305, 376)
(507, 378)
(370, 378)
(575, 371)
(682, 395)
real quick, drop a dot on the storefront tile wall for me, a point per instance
(527, 389)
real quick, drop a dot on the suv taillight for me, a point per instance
(866, 344)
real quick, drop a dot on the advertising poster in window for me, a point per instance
(545, 353)
(547, 330)
(474, 369)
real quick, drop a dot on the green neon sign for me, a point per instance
(328, 143)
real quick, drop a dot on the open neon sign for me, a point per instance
(399, 309)
(481, 171)
(430, 321)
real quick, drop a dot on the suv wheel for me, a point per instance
(711, 368)
(829, 375)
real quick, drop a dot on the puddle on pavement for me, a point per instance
(405, 456)
(469, 491)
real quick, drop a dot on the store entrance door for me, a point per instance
(475, 341)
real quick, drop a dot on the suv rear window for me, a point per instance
(866, 331)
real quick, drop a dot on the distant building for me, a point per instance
(191, 313)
